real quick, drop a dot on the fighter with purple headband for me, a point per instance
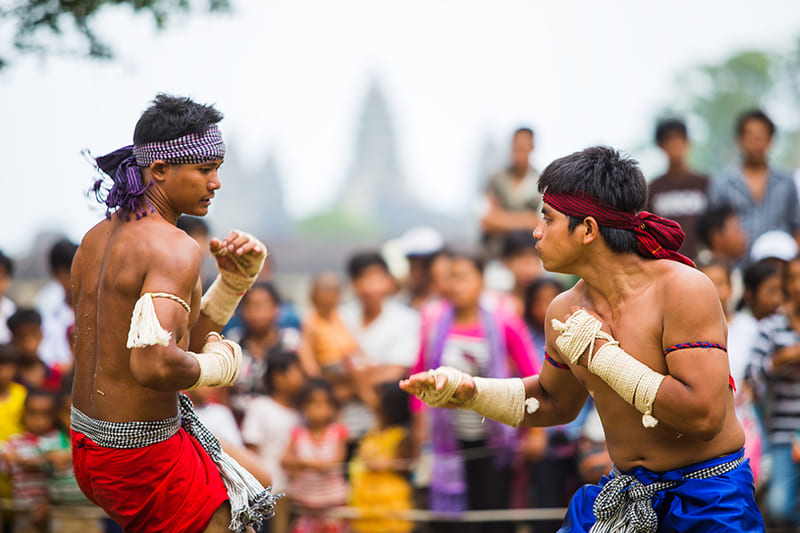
(643, 332)
(144, 332)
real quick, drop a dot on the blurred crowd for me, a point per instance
(317, 413)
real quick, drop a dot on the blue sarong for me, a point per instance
(724, 502)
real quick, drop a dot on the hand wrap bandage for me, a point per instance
(502, 400)
(219, 363)
(220, 300)
(633, 380)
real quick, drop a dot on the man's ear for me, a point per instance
(591, 230)
(159, 170)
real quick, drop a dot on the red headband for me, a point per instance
(657, 237)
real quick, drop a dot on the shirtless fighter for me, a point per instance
(144, 333)
(642, 332)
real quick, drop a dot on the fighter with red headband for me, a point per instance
(643, 332)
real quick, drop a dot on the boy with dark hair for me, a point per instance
(26, 336)
(22, 457)
(54, 303)
(512, 200)
(764, 197)
(679, 193)
(645, 333)
(521, 259)
(144, 332)
(720, 230)
(7, 307)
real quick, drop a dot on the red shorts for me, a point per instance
(170, 487)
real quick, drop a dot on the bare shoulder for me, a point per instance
(681, 283)
(566, 302)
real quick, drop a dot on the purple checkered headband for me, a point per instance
(190, 149)
(125, 194)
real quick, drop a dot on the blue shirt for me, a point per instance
(778, 210)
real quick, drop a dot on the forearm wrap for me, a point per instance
(219, 364)
(502, 400)
(220, 301)
(634, 381)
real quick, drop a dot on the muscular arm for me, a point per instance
(173, 269)
(693, 397)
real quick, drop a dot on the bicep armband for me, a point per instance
(145, 328)
(634, 381)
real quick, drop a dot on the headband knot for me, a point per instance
(656, 237)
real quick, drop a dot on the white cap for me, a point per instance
(421, 240)
(777, 244)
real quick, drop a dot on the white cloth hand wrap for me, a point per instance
(219, 363)
(220, 300)
(502, 400)
(634, 381)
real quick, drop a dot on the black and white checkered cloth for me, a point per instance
(625, 505)
(187, 150)
(250, 502)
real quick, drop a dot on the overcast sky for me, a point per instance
(291, 77)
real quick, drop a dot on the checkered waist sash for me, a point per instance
(124, 435)
(625, 505)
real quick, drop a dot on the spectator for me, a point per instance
(268, 423)
(315, 459)
(197, 229)
(419, 244)
(12, 395)
(386, 331)
(520, 258)
(764, 198)
(327, 347)
(777, 363)
(720, 232)
(26, 335)
(437, 267)
(512, 197)
(680, 193)
(7, 307)
(464, 334)
(216, 417)
(720, 276)
(54, 303)
(258, 336)
(776, 247)
(379, 470)
(23, 458)
(537, 299)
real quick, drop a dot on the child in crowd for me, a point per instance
(7, 307)
(26, 336)
(64, 489)
(328, 348)
(315, 459)
(379, 470)
(12, 395)
(22, 457)
(268, 424)
(720, 275)
(522, 261)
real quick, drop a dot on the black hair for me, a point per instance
(755, 275)
(313, 385)
(9, 355)
(608, 175)
(61, 255)
(532, 291)
(670, 126)
(265, 286)
(394, 404)
(170, 117)
(517, 242)
(278, 362)
(431, 259)
(34, 392)
(192, 225)
(523, 129)
(360, 262)
(24, 316)
(713, 219)
(7, 263)
(754, 114)
(476, 261)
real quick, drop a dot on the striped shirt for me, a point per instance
(780, 386)
(778, 210)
